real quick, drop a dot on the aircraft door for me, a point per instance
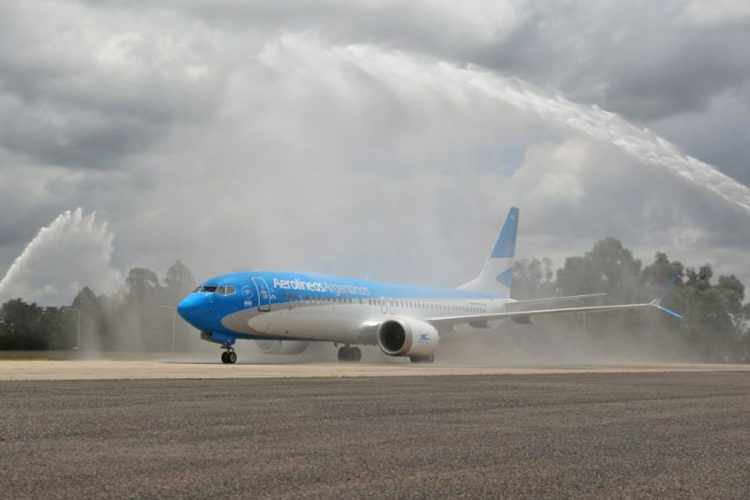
(263, 294)
(384, 305)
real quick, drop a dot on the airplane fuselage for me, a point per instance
(284, 311)
(296, 306)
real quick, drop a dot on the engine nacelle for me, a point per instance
(282, 346)
(408, 337)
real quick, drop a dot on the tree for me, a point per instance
(715, 315)
(732, 293)
(136, 314)
(180, 281)
(28, 327)
(142, 282)
(664, 279)
(533, 279)
(663, 274)
(22, 326)
(92, 321)
(608, 268)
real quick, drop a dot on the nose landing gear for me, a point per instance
(229, 357)
(347, 353)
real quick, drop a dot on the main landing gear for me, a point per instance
(347, 353)
(229, 357)
(422, 359)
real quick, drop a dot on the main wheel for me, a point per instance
(422, 359)
(349, 354)
(225, 357)
(231, 357)
(356, 354)
(343, 353)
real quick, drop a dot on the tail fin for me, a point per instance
(497, 274)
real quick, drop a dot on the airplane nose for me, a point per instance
(190, 309)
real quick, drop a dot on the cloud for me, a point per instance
(355, 139)
(720, 11)
(719, 133)
(81, 89)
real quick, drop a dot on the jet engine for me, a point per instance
(282, 346)
(408, 337)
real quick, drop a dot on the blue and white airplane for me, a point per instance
(284, 311)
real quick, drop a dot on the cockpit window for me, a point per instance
(218, 290)
(225, 290)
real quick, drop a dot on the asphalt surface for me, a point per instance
(105, 369)
(647, 435)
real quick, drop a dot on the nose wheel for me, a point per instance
(347, 353)
(229, 357)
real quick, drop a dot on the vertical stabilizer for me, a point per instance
(497, 274)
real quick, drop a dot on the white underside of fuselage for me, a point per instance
(348, 323)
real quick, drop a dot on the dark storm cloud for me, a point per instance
(81, 97)
(643, 59)
(720, 134)
(647, 61)
(681, 78)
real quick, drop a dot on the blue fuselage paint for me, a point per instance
(266, 292)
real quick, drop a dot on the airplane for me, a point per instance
(285, 311)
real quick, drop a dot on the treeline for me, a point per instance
(140, 317)
(716, 324)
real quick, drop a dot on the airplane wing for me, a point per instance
(550, 303)
(479, 318)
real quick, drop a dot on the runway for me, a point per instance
(190, 369)
(658, 434)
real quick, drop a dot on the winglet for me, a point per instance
(657, 304)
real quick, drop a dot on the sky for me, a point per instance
(377, 139)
